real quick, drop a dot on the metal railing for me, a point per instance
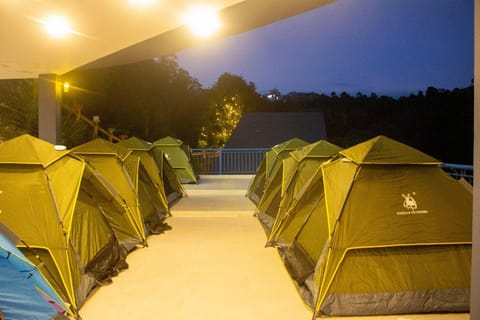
(246, 161)
(227, 160)
(459, 171)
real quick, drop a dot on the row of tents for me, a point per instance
(377, 228)
(73, 216)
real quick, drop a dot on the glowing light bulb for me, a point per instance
(57, 26)
(202, 20)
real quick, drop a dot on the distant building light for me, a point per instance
(273, 96)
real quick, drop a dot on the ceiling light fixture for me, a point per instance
(202, 20)
(57, 26)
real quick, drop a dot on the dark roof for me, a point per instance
(266, 129)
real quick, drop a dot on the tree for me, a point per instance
(229, 98)
(149, 99)
(227, 115)
(74, 131)
(18, 107)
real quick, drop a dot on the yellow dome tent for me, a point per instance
(380, 229)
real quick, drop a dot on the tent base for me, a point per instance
(425, 301)
(266, 221)
(173, 197)
(253, 197)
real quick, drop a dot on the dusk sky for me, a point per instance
(390, 47)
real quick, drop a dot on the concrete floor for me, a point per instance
(211, 265)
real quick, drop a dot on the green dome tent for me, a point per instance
(173, 187)
(380, 229)
(299, 164)
(178, 155)
(47, 200)
(276, 154)
(257, 184)
(158, 169)
(151, 192)
(121, 172)
(270, 163)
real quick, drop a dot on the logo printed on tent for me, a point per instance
(410, 204)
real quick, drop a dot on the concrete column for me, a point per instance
(475, 290)
(50, 108)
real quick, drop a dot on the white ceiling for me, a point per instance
(109, 32)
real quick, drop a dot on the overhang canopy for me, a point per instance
(113, 32)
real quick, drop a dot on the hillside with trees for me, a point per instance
(437, 121)
(153, 99)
